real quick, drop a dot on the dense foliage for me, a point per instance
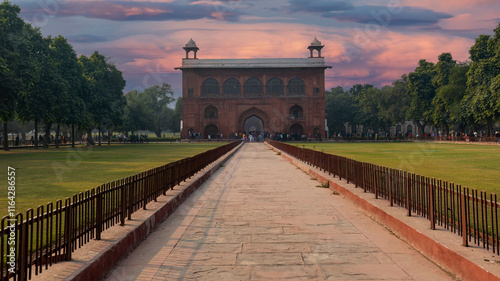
(148, 110)
(45, 84)
(448, 96)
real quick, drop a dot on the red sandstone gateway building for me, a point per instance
(228, 96)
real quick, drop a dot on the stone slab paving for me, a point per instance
(261, 218)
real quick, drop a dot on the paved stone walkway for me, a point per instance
(261, 218)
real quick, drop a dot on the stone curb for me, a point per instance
(106, 260)
(450, 260)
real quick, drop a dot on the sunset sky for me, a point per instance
(367, 41)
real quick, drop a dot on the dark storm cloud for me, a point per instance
(389, 16)
(134, 11)
(319, 6)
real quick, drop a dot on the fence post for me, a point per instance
(23, 250)
(363, 170)
(98, 229)
(144, 186)
(68, 228)
(375, 182)
(432, 203)
(494, 221)
(346, 169)
(339, 168)
(390, 171)
(407, 177)
(464, 218)
(123, 199)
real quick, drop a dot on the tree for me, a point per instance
(339, 109)
(355, 92)
(69, 108)
(16, 67)
(481, 98)
(394, 102)
(443, 70)
(102, 88)
(447, 104)
(38, 101)
(137, 115)
(421, 91)
(368, 104)
(157, 100)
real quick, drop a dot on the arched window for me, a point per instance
(211, 112)
(296, 112)
(253, 87)
(210, 87)
(231, 87)
(275, 87)
(296, 87)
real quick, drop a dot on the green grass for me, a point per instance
(47, 175)
(475, 166)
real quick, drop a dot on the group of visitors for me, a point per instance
(20, 140)
(295, 136)
(194, 135)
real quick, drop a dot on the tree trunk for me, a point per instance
(57, 136)
(447, 128)
(490, 127)
(158, 133)
(99, 136)
(73, 135)
(421, 128)
(36, 134)
(5, 136)
(46, 138)
(109, 136)
(90, 141)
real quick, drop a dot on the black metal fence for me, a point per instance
(471, 214)
(39, 238)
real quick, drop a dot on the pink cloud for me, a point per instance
(449, 5)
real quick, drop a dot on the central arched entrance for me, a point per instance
(253, 120)
(254, 124)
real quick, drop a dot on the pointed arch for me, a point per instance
(210, 88)
(231, 87)
(211, 112)
(253, 111)
(296, 87)
(253, 87)
(296, 112)
(275, 87)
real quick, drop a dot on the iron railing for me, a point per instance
(471, 214)
(50, 234)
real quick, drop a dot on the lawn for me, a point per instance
(47, 175)
(475, 166)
